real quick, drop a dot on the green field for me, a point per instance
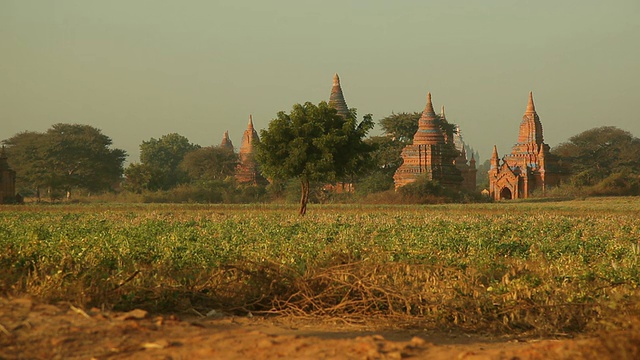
(543, 267)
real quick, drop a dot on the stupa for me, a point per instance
(226, 142)
(430, 155)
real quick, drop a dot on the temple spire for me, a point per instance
(336, 99)
(494, 158)
(250, 126)
(530, 106)
(442, 116)
(226, 142)
(429, 108)
(429, 131)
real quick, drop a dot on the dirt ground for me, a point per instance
(32, 330)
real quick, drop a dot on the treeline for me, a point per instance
(71, 161)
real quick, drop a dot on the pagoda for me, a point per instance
(336, 99)
(529, 166)
(7, 180)
(466, 166)
(430, 155)
(226, 142)
(248, 171)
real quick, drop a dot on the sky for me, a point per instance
(141, 69)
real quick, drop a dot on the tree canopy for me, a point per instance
(401, 127)
(313, 143)
(210, 163)
(160, 160)
(599, 153)
(65, 157)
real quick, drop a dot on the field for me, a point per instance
(531, 268)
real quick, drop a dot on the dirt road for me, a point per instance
(31, 330)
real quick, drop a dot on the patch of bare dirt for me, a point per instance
(31, 330)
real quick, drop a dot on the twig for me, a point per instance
(127, 280)
(79, 311)
(4, 330)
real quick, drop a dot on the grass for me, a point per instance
(523, 266)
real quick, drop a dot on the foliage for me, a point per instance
(598, 153)
(209, 163)
(313, 143)
(482, 177)
(66, 157)
(542, 267)
(401, 127)
(160, 159)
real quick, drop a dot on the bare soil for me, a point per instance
(33, 330)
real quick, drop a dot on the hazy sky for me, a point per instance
(138, 69)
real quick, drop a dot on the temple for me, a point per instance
(336, 99)
(529, 167)
(248, 171)
(7, 180)
(431, 154)
(466, 166)
(226, 142)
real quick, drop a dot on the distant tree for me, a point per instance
(596, 154)
(162, 157)
(27, 156)
(401, 127)
(210, 163)
(140, 177)
(482, 176)
(67, 156)
(312, 143)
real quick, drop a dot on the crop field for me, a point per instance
(537, 267)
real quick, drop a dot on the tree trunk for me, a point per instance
(304, 197)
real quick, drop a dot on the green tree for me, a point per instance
(66, 157)
(595, 154)
(27, 156)
(162, 157)
(401, 127)
(312, 143)
(210, 163)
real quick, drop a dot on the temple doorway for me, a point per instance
(505, 194)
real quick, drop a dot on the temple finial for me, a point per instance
(442, 112)
(336, 79)
(429, 107)
(530, 106)
(250, 121)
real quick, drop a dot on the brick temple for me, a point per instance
(431, 154)
(248, 171)
(466, 166)
(226, 142)
(336, 98)
(529, 167)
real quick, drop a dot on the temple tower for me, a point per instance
(226, 142)
(247, 170)
(430, 155)
(7, 180)
(529, 166)
(467, 167)
(336, 99)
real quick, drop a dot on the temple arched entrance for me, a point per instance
(505, 194)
